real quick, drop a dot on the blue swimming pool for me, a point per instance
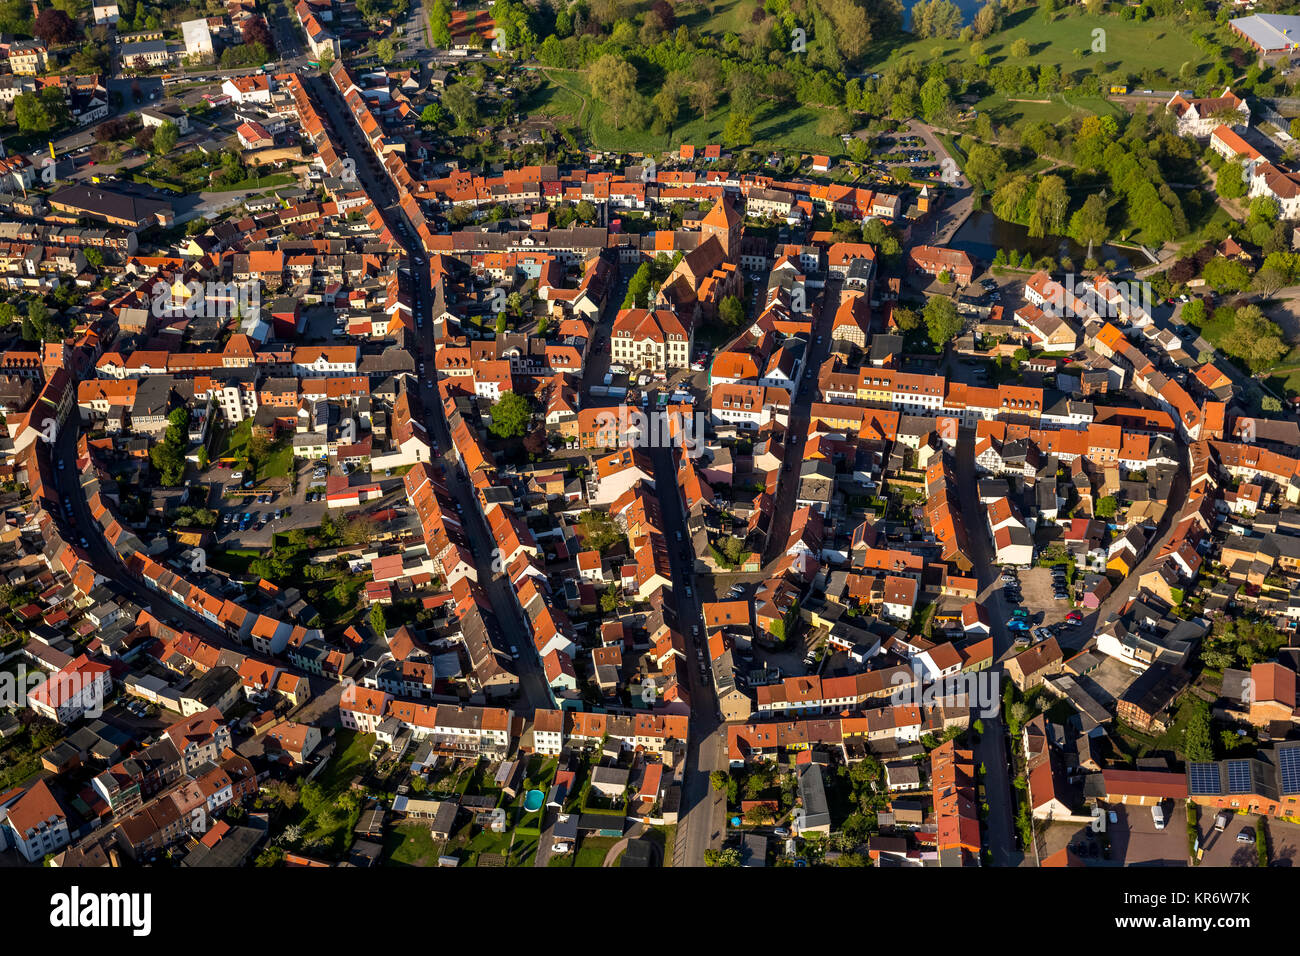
(533, 800)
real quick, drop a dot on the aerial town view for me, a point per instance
(649, 434)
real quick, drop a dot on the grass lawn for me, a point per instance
(1131, 47)
(1285, 381)
(232, 443)
(540, 773)
(328, 827)
(410, 845)
(1139, 744)
(592, 850)
(278, 463)
(722, 16)
(347, 762)
(777, 126)
(234, 560)
(1005, 110)
(258, 182)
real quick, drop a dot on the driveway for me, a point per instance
(1135, 841)
(1222, 849)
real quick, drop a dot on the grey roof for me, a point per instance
(1268, 31)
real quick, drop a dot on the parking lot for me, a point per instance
(1224, 848)
(1135, 841)
(302, 508)
(1037, 598)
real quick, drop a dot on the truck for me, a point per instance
(1221, 821)
(1158, 816)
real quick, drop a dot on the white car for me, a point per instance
(561, 847)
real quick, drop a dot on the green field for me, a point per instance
(1066, 42)
(258, 182)
(233, 445)
(777, 126)
(723, 16)
(1131, 47)
(1006, 111)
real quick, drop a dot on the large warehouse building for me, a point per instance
(1273, 36)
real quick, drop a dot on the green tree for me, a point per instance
(941, 319)
(906, 319)
(1226, 275)
(460, 102)
(378, 623)
(164, 139)
(1198, 746)
(1088, 224)
(613, 82)
(1253, 339)
(732, 312)
(1231, 180)
(511, 415)
(33, 113)
(440, 24)
(1106, 507)
(727, 856)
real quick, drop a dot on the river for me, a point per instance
(983, 234)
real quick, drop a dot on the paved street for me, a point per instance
(991, 748)
(800, 417)
(500, 593)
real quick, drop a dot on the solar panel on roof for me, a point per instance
(1203, 778)
(1239, 776)
(1289, 764)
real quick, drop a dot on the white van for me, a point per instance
(1158, 816)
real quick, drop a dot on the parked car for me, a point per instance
(1247, 835)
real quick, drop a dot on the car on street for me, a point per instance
(780, 832)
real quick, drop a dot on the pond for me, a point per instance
(968, 10)
(983, 234)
